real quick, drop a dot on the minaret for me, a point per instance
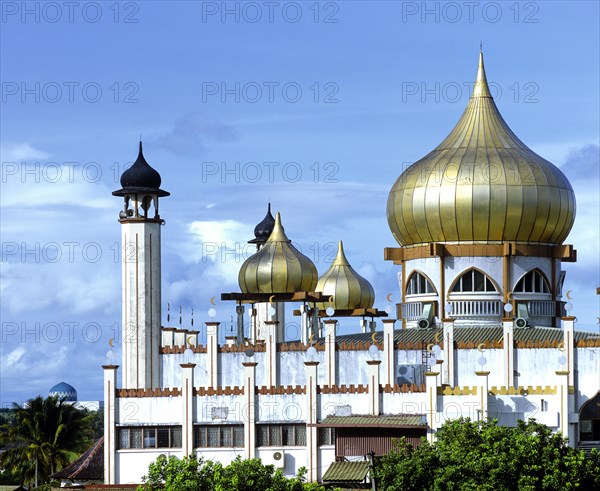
(140, 238)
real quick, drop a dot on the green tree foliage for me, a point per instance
(193, 474)
(483, 456)
(45, 436)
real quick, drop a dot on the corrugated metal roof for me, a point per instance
(479, 334)
(398, 420)
(346, 472)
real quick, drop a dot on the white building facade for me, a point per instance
(482, 330)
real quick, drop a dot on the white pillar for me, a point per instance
(563, 394)
(168, 336)
(212, 353)
(271, 372)
(305, 325)
(508, 338)
(389, 352)
(187, 403)
(374, 404)
(330, 362)
(270, 312)
(110, 414)
(312, 449)
(431, 404)
(569, 346)
(364, 325)
(250, 409)
(482, 395)
(449, 357)
(141, 303)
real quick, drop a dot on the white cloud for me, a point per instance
(20, 152)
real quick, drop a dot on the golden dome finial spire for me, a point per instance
(278, 233)
(481, 88)
(340, 258)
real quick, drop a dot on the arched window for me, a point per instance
(419, 284)
(532, 282)
(474, 281)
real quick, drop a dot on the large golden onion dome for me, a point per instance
(349, 289)
(481, 184)
(278, 267)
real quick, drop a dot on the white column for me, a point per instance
(330, 362)
(508, 338)
(141, 303)
(271, 373)
(569, 346)
(374, 404)
(212, 353)
(563, 395)
(431, 404)
(449, 357)
(168, 336)
(312, 449)
(110, 414)
(304, 324)
(389, 352)
(482, 395)
(250, 409)
(364, 325)
(270, 312)
(187, 403)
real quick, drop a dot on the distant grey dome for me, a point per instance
(64, 390)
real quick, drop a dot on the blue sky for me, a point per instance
(315, 106)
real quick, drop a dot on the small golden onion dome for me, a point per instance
(349, 289)
(278, 267)
(481, 185)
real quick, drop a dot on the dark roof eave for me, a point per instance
(134, 190)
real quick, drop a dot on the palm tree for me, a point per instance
(47, 435)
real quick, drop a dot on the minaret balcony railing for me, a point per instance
(476, 308)
(541, 308)
(411, 310)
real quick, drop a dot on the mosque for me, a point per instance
(483, 329)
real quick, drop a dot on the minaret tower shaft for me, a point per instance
(141, 274)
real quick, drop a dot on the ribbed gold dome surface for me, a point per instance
(278, 267)
(481, 184)
(349, 289)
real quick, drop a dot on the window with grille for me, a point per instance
(231, 436)
(326, 436)
(149, 437)
(281, 435)
(474, 281)
(419, 284)
(532, 282)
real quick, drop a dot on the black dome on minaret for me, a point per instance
(140, 178)
(264, 228)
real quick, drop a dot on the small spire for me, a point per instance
(278, 233)
(481, 88)
(340, 258)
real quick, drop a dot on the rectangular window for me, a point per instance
(238, 436)
(162, 437)
(176, 437)
(152, 437)
(123, 438)
(136, 437)
(213, 436)
(281, 435)
(326, 436)
(223, 436)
